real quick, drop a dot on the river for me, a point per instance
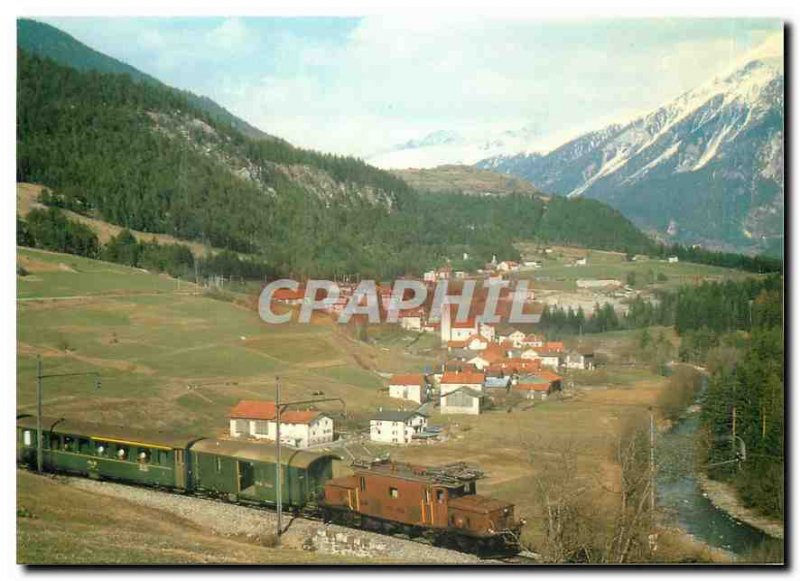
(680, 494)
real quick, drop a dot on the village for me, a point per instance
(484, 365)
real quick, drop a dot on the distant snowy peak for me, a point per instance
(448, 147)
(710, 161)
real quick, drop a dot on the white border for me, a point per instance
(562, 9)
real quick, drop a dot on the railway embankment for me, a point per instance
(258, 526)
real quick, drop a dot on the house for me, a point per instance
(396, 426)
(508, 266)
(538, 385)
(672, 259)
(533, 387)
(505, 333)
(299, 428)
(451, 381)
(581, 261)
(551, 359)
(476, 343)
(498, 382)
(410, 386)
(288, 296)
(486, 330)
(429, 276)
(576, 360)
(533, 340)
(461, 330)
(529, 353)
(462, 400)
(411, 319)
(557, 346)
(532, 264)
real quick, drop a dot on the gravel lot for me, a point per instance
(259, 526)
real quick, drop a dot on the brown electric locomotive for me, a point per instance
(435, 502)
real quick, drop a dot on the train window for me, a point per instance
(84, 446)
(163, 457)
(102, 448)
(143, 456)
(219, 464)
(55, 442)
(468, 523)
(440, 496)
(471, 488)
(393, 492)
(362, 483)
(27, 437)
(69, 444)
(122, 453)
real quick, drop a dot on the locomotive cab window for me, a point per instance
(440, 496)
(362, 483)
(393, 492)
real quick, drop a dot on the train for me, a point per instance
(439, 504)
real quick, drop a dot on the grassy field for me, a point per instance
(557, 273)
(152, 342)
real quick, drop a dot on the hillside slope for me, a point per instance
(705, 168)
(465, 179)
(141, 156)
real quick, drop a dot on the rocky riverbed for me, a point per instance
(724, 497)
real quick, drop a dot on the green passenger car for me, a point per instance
(107, 452)
(245, 471)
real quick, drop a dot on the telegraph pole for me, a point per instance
(39, 459)
(39, 377)
(652, 462)
(278, 471)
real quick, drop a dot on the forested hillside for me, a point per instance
(142, 156)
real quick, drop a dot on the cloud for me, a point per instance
(361, 86)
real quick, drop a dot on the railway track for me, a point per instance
(313, 515)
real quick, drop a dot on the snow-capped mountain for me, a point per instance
(448, 147)
(706, 167)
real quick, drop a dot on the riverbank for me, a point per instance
(723, 496)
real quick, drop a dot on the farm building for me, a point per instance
(551, 359)
(461, 400)
(299, 428)
(396, 426)
(538, 385)
(411, 319)
(452, 381)
(576, 360)
(410, 386)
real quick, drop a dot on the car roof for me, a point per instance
(108, 433)
(259, 452)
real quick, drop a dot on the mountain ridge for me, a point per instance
(706, 167)
(48, 41)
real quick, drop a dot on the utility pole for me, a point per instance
(39, 377)
(278, 470)
(39, 459)
(279, 407)
(652, 461)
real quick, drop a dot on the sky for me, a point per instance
(361, 86)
